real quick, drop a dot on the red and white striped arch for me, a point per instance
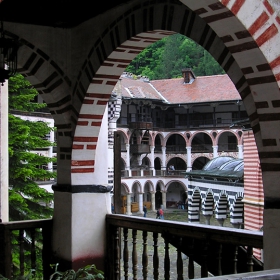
(97, 96)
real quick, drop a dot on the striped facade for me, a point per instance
(217, 199)
(253, 193)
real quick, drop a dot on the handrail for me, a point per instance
(241, 237)
(182, 236)
(26, 224)
(43, 227)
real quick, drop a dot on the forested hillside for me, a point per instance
(166, 58)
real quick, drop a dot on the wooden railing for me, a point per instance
(216, 250)
(166, 249)
(29, 241)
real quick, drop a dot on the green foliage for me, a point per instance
(29, 276)
(86, 273)
(166, 58)
(21, 93)
(26, 199)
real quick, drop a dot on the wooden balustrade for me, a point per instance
(216, 250)
(144, 248)
(30, 237)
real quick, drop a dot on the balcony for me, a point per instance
(171, 125)
(216, 250)
(141, 125)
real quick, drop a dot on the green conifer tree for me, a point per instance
(26, 199)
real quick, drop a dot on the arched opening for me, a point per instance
(202, 143)
(175, 144)
(178, 163)
(147, 196)
(176, 196)
(227, 142)
(199, 163)
(158, 144)
(157, 164)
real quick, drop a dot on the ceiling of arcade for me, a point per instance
(54, 13)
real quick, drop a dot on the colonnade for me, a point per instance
(141, 202)
(188, 159)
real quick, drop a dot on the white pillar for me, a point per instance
(140, 196)
(128, 159)
(128, 204)
(4, 163)
(153, 202)
(153, 160)
(83, 225)
(163, 199)
(189, 158)
(240, 151)
(215, 151)
(163, 150)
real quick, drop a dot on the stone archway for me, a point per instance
(76, 69)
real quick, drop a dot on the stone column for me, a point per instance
(163, 149)
(128, 159)
(240, 151)
(140, 198)
(152, 168)
(163, 199)
(215, 151)
(128, 204)
(82, 201)
(4, 156)
(153, 202)
(189, 158)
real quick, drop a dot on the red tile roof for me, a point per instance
(202, 89)
(138, 88)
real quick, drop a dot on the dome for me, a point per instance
(215, 163)
(232, 165)
(224, 168)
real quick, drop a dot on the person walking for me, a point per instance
(161, 214)
(157, 216)
(145, 211)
